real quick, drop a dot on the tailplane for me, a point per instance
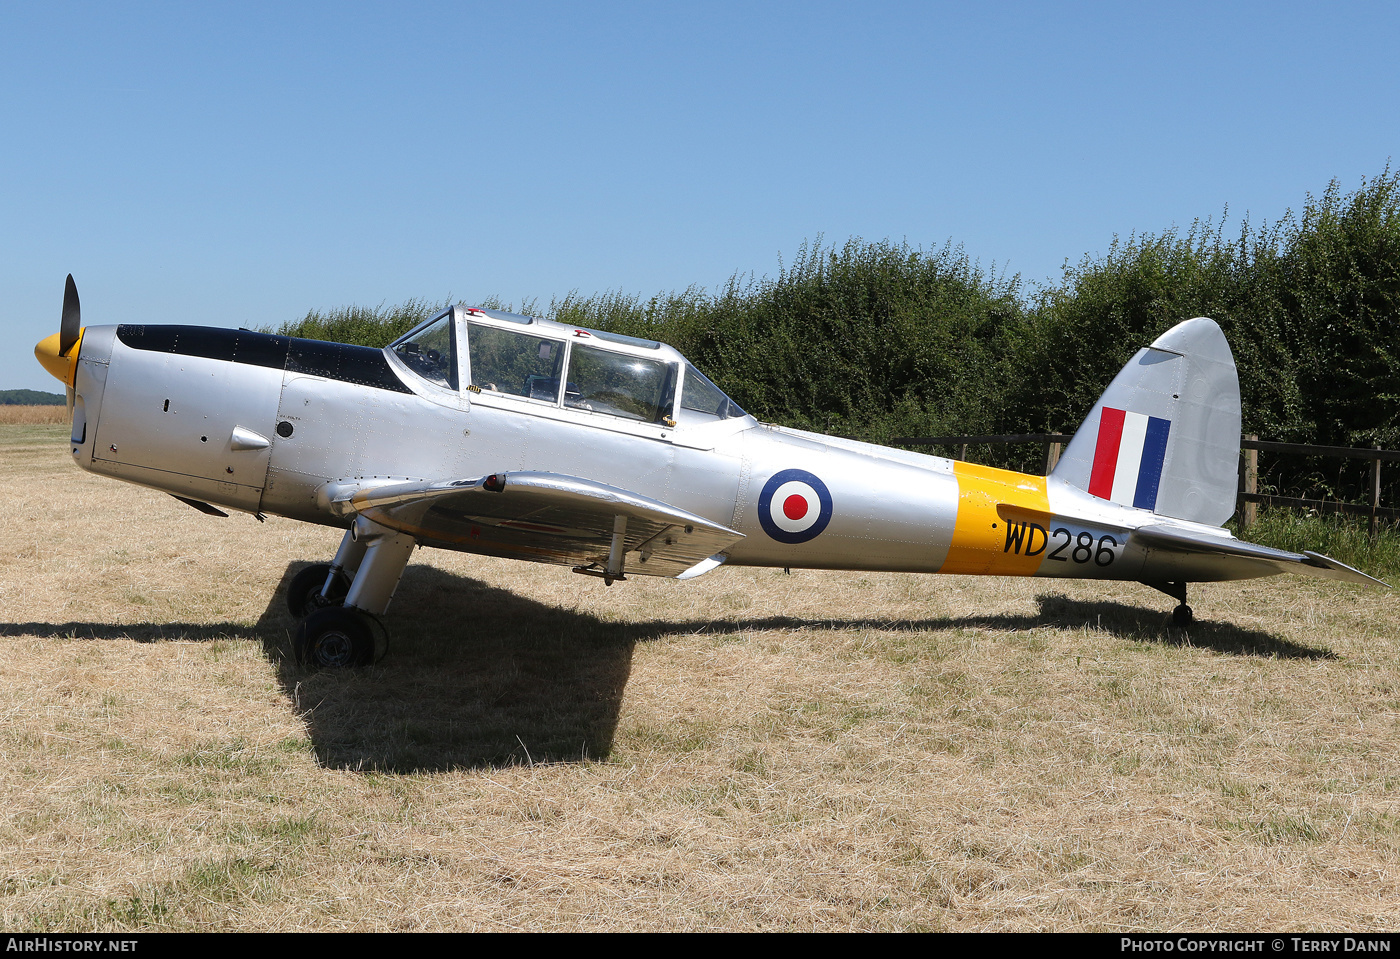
(1165, 435)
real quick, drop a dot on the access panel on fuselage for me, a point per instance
(339, 431)
(168, 420)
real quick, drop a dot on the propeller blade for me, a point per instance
(72, 317)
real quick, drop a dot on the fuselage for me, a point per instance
(264, 424)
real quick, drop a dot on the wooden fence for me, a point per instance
(1251, 498)
(1250, 447)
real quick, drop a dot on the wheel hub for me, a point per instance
(334, 648)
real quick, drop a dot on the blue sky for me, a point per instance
(240, 164)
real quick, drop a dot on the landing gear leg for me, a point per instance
(325, 584)
(386, 553)
(350, 635)
(1181, 616)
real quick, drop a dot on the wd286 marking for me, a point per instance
(1066, 546)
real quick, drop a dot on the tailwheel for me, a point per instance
(304, 595)
(336, 637)
(1181, 616)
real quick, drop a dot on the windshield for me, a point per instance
(702, 401)
(431, 351)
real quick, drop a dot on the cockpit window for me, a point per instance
(504, 361)
(431, 351)
(619, 385)
(699, 395)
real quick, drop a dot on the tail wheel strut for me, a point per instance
(1181, 616)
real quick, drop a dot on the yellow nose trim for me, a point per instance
(63, 366)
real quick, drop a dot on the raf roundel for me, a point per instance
(794, 507)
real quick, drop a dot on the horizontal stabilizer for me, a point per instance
(549, 518)
(1307, 563)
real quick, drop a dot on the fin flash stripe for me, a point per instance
(1128, 457)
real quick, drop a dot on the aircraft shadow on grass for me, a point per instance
(481, 676)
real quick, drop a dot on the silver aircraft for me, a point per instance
(515, 436)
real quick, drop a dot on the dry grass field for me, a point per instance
(749, 750)
(14, 415)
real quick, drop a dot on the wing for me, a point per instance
(545, 517)
(1307, 563)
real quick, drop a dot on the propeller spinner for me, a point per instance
(59, 353)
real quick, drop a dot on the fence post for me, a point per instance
(962, 452)
(1375, 490)
(1250, 513)
(1052, 456)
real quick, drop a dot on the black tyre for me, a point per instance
(1181, 616)
(334, 638)
(304, 594)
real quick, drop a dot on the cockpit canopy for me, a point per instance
(529, 358)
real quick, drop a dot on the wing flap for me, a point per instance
(547, 517)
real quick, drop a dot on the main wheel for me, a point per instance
(304, 594)
(334, 638)
(1181, 616)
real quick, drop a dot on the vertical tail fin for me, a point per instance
(1165, 435)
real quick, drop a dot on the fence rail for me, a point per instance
(1250, 447)
(1053, 443)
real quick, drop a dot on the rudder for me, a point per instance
(1165, 435)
